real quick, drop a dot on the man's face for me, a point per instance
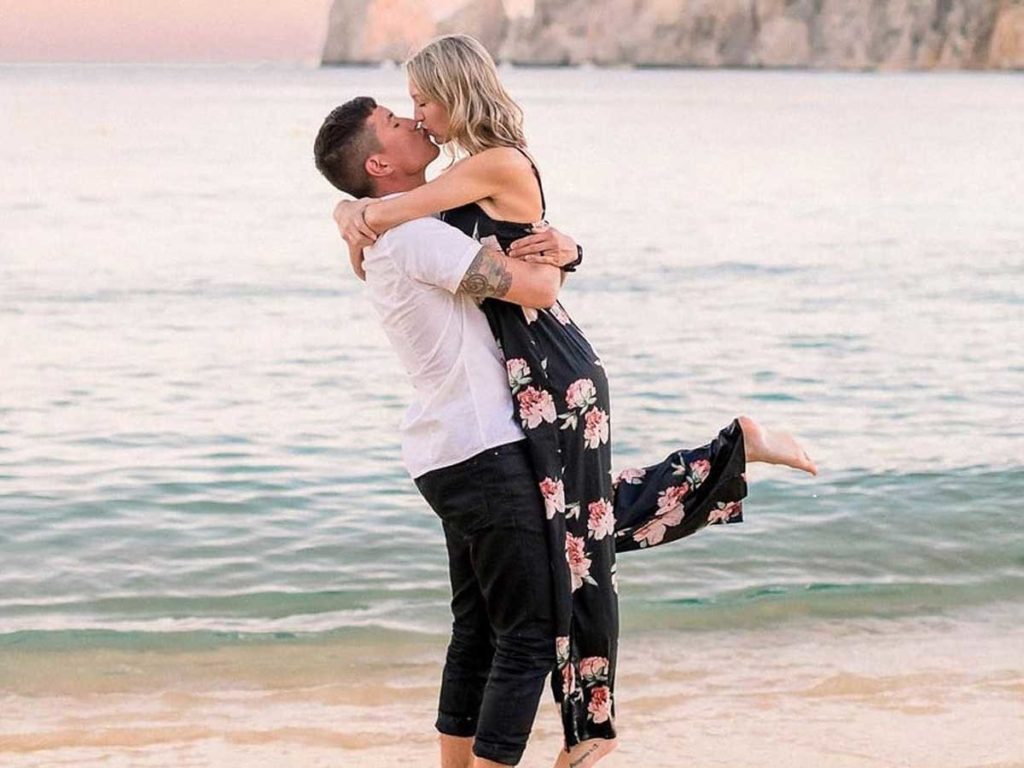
(404, 147)
(433, 117)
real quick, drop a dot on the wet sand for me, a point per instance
(936, 693)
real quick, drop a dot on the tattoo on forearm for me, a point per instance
(582, 758)
(487, 276)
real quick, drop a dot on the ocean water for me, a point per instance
(198, 411)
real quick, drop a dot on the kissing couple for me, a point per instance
(508, 435)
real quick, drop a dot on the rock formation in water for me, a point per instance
(825, 34)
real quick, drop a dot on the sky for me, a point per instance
(162, 30)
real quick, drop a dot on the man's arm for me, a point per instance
(492, 274)
(438, 254)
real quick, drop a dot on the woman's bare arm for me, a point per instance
(470, 180)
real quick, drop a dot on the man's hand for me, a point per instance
(546, 246)
(350, 216)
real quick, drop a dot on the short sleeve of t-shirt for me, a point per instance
(432, 252)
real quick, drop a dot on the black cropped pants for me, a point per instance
(502, 645)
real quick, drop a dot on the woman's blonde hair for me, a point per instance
(458, 72)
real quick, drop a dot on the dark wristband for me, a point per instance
(571, 266)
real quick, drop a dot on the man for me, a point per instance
(460, 441)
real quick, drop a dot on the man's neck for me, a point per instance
(390, 185)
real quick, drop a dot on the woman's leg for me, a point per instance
(586, 753)
(689, 489)
(696, 487)
(560, 394)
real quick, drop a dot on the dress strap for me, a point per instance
(543, 203)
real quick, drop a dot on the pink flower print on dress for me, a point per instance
(673, 517)
(596, 430)
(650, 534)
(561, 650)
(600, 706)
(672, 497)
(559, 314)
(601, 521)
(699, 471)
(725, 512)
(630, 476)
(568, 679)
(654, 532)
(579, 563)
(553, 492)
(594, 669)
(581, 394)
(535, 406)
(518, 373)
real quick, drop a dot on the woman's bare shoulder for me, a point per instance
(504, 160)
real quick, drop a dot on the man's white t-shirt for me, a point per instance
(462, 404)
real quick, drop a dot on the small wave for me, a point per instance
(749, 268)
(203, 639)
(771, 606)
(774, 397)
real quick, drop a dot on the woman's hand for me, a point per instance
(546, 246)
(350, 216)
(355, 258)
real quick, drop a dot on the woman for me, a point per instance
(560, 391)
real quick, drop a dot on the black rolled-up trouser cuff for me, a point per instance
(455, 725)
(497, 753)
(465, 727)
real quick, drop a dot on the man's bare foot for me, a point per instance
(774, 447)
(586, 753)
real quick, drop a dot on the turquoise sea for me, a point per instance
(199, 412)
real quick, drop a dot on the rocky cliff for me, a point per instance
(825, 34)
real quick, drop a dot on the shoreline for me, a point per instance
(842, 694)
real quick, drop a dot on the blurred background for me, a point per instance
(838, 34)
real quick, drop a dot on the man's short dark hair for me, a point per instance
(343, 143)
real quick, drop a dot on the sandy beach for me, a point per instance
(932, 693)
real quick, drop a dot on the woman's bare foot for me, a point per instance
(586, 753)
(774, 447)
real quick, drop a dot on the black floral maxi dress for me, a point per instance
(560, 395)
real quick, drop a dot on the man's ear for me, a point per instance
(376, 166)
